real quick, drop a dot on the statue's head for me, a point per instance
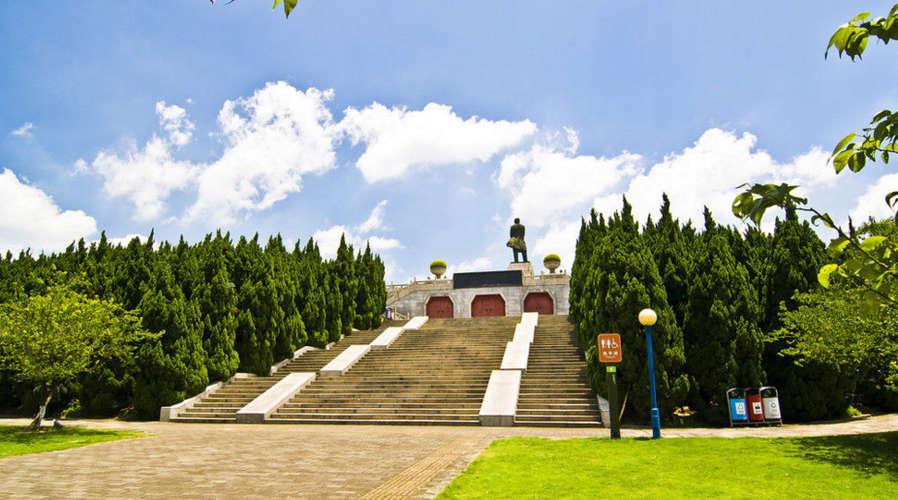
(517, 220)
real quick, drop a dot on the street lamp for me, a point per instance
(647, 318)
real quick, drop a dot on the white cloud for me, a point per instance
(283, 134)
(125, 240)
(573, 139)
(24, 130)
(357, 236)
(147, 176)
(375, 220)
(708, 174)
(271, 140)
(552, 188)
(547, 184)
(174, 120)
(328, 240)
(398, 140)
(476, 264)
(31, 219)
(872, 203)
(379, 244)
(560, 239)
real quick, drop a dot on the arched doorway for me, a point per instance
(539, 302)
(439, 307)
(487, 305)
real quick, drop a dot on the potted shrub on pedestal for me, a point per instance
(438, 268)
(552, 261)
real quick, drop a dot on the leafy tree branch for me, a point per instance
(872, 262)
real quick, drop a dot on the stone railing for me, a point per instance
(397, 292)
(547, 279)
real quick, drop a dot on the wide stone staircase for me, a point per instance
(222, 405)
(554, 390)
(435, 375)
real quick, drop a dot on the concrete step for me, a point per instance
(474, 416)
(373, 421)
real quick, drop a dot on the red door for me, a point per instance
(487, 305)
(539, 302)
(439, 307)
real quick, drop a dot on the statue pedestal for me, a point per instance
(526, 268)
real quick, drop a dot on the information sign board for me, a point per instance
(609, 345)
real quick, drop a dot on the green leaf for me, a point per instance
(852, 266)
(860, 17)
(841, 159)
(872, 243)
(870, 272)
(824, 274)
(882, 114)
(289, 5)
(838, 246)
(825, 218)
(844, 142)
(892, 198)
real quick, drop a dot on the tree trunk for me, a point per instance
(47, 393)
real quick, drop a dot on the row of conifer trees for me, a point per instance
(223, 308)
(717, 293)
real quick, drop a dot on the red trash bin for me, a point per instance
(755, 406)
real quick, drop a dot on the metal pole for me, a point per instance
(611, 376)
(656, 416)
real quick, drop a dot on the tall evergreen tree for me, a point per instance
(673, 253)
(623, 279)
(172, 367)
(723, 341)
(343, 268)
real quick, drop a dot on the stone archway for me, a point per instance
(487, 305)
(440, 307)
(539, 302)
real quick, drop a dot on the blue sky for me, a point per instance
(422, 127)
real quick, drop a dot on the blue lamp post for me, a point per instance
(647, 318)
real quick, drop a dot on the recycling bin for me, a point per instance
(754, 404)
(738, 410)
(771, 402)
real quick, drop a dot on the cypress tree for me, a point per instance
(173, 366)
(312, 293)
(343, 269)
(723, 341)
(291, 334)
(673, 255)
(807, 389)
(622, 281)
(371, 295)
(796, 254)
(377, 287)
(333, 308)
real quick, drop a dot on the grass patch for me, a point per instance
(850, 467)
(14, 442)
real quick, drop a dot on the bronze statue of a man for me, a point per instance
(517, 240)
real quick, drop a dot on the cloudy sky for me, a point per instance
(420, 127)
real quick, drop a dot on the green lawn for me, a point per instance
(14, 442)
(851, 467)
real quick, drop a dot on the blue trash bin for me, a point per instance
(738, 407)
